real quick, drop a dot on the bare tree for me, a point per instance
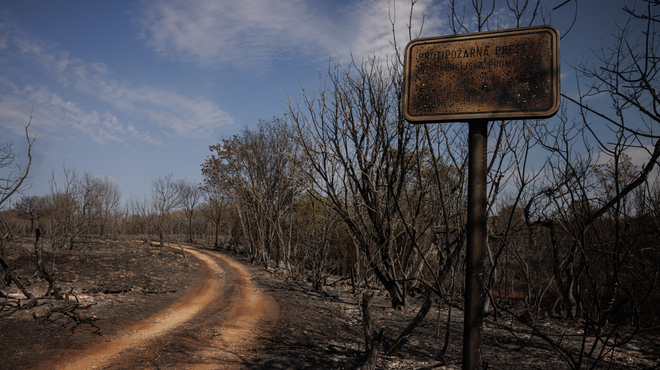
(66, 221)
(354, 139)
(165, 197)
(30, 207)
(12, 181)
(13, 174)
(191, 195)
(253, 170)
(214, 211)
(141, 216)
(109, 196)
(82, 204)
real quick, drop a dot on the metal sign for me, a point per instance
(510, 74)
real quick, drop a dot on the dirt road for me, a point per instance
(211, 326)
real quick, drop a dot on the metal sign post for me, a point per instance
(496, 75)
(476, 244)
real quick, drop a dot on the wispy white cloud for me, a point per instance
(52, 114)
(173, 112)
(254, 33)
(165, 111)
(144, 136)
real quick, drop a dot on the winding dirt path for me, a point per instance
(211, 326)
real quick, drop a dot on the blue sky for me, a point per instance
(136, 90)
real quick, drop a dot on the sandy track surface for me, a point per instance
(212, 326)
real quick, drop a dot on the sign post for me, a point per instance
(477, 219)
(474, 78)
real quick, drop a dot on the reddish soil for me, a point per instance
(193, 312)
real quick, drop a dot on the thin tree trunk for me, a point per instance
(38, 250)
(372, 342)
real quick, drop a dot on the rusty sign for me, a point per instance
(510, 74)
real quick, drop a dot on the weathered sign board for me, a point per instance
(509, 74)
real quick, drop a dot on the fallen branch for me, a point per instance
(68, 312)
(407, 332)
(13, 278)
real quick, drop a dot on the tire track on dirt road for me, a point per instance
(210, 326)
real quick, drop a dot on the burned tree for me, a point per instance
(253, 171)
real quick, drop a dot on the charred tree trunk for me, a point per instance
(39, 253)
(9, 277)
(372, 342)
